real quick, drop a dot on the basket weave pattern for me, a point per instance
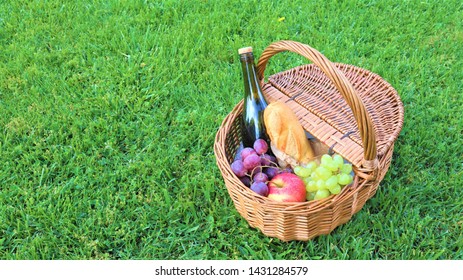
(331, 100)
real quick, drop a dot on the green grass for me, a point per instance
(109, 111)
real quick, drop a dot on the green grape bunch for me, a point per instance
(325, 177)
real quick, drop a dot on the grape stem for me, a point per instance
(262, 166)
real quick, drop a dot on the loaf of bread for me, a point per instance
(288, 140)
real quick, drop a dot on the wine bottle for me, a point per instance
(253, 127)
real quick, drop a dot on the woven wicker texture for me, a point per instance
(350, 109)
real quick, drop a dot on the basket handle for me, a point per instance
(361, 115)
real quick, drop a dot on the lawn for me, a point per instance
(109, 111)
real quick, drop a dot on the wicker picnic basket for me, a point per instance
(353, 111)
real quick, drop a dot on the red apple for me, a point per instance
(287, 187)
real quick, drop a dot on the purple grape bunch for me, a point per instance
(255, 166)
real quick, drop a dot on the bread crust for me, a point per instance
(286, 133)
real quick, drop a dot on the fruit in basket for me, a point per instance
(346, 168)
(252, 161)
(286, 170)
(335, 189)
(260, 188)
(238, 168)
(246, 152)
(328, 163)
(323, 172)
(344, 179)
(311, 185)
(268, 160)
(332, 181)
(302, 171)
(260, 177)
(339, 160)
(271, 171)
(253, 167)
(260, 146)
(320, 194)
(287, 187)
(246, 181)
(327, 177)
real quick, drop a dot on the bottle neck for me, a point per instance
(251, 85)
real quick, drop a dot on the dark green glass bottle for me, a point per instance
(254, 101)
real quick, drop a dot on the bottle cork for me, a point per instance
(245, 50)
